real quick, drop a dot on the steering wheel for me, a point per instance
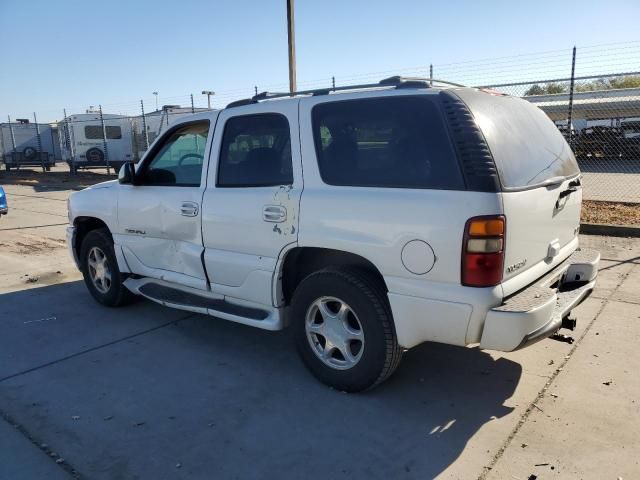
(190, 155)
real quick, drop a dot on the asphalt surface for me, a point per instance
(611, 179)
(146, 392)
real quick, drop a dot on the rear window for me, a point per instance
(94, 132)
(399, 142)
(526, 145)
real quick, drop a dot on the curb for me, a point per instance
(609, 230)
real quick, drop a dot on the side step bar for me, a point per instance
(178, 297)
(185, 298)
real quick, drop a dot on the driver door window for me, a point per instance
(178, 160)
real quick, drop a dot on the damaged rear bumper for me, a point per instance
(537, 311)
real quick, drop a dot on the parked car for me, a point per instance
(4, 207)
(630, 146)
(368, 220)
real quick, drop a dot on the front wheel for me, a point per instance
(344, 330)
(100, 270)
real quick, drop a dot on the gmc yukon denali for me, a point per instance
(369, 219)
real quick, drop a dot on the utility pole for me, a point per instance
(292, 46)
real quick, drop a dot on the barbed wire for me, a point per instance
(597, 58)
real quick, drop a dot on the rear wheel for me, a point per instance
(343, 329)
(100, 270)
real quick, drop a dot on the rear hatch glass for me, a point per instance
(527, 147)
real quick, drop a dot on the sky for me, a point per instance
(72, 54)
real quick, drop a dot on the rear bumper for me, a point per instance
(537, 311)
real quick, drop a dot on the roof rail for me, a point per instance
(239, 103)
(408, 82)
(396, 81)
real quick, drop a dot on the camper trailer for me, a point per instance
(27, 144)
(91, 140)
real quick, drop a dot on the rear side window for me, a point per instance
(526, 146)
(256, 152)
(399, 142)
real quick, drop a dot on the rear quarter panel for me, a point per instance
(377, 223)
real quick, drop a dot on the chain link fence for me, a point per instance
(598, 113)
(600, 118)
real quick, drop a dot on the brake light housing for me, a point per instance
(483, 251)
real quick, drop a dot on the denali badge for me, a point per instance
(516, 266)
(134, 232)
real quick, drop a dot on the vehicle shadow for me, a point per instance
(54, 180)
(228, 401)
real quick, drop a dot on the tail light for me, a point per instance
(483, 251)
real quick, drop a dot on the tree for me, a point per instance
(534, 90)
(554, 88)
(548, 89)
(608, 84)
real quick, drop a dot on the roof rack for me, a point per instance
(396, 81)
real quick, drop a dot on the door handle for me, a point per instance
(189, 209)
(274, 213)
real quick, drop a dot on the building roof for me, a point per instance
(599, 104)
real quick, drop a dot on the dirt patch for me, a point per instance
(611, 213)
(59, 178)
(30, 244)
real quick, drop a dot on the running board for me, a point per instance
(184, 298)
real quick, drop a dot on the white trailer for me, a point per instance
(27, 144)
(91, 140)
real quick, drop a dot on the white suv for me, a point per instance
(370, 218)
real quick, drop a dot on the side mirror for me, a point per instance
(127, 174)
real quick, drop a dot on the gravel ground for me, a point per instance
(610, 213)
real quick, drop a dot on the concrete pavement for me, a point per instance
(149, 392)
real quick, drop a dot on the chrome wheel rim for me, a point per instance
(99, 270)
(334, 333)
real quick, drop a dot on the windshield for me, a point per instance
(526, 145)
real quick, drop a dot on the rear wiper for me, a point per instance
(553, 181)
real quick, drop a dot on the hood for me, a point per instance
(108, 184)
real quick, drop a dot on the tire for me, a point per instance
(29, 153)
(95, 156)
(369, 361)
(97, 248)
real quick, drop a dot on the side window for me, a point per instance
(178, 160)
(255, 152)
(394, 142)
